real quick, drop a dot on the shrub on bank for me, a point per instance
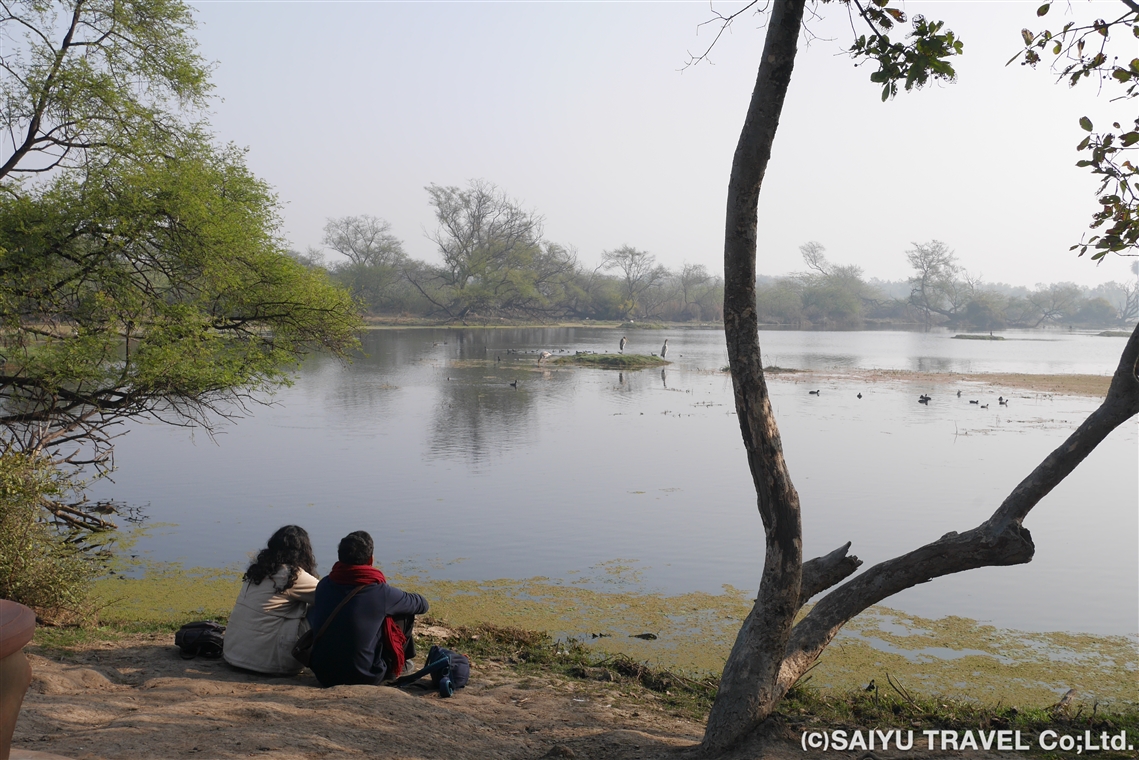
(39, 566)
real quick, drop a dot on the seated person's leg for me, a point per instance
(406, 624)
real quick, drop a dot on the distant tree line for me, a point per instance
(940, 292)
(497, 263)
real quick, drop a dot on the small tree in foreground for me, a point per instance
(772, 651)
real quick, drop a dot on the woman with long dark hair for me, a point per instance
(269, 615)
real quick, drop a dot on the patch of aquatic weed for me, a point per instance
(958, 655)
(166, 596)
(947, 656)
(161, 600)
(609, 620)
(891, 705)
(888, 704)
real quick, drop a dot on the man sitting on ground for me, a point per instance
(369, 639)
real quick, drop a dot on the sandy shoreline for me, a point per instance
(135, 698)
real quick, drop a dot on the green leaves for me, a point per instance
(1084, 51)
(42, 565)
(1043, 10)
(1116, 220)
(152, 287)
(923, 58)
(95, 75)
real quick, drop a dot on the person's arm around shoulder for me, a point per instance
(401, 603)
(304, 590)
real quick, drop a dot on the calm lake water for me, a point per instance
(424, 443)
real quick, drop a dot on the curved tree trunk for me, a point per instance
(748, 689)
(770, 654)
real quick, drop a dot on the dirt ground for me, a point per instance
(136, 698)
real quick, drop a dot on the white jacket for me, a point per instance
(266, 623)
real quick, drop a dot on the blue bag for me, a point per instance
(449, 670)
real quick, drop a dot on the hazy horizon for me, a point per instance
(584, 112)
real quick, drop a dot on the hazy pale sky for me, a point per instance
(581, 110)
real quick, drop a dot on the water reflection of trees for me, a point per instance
(479, 415)
(477, 418)
(368, 387)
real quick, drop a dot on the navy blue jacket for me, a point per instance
(349, 651)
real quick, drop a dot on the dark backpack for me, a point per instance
(448, 669)
(201, 638)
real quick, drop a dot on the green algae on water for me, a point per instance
(167, 595)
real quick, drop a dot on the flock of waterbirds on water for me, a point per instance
(926, 398)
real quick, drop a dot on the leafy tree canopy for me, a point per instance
(495, 259)
(141, 272)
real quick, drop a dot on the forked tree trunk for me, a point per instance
(770, 654)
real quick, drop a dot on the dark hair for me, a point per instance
(289, 546)
(356, 548)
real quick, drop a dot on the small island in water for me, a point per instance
(612, 361)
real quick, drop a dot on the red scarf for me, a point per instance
(392, 639)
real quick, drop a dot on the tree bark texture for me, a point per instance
(769, 654)
(748, 687)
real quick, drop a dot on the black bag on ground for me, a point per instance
(203, 638)
(449, 670)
